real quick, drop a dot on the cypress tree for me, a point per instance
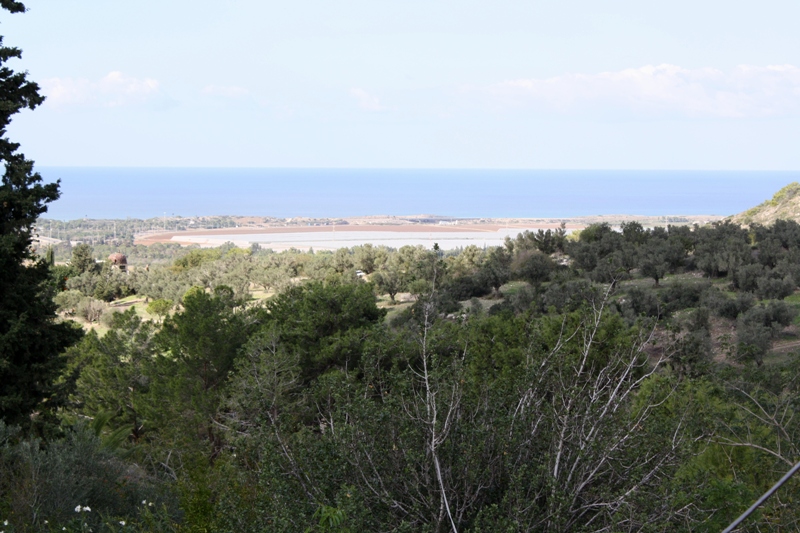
(30, 338)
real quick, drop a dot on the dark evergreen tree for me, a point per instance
(496, 270)
(83, 259)
(30, 340)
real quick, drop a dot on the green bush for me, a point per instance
(68, 300)
(775, 289)
(44, 483)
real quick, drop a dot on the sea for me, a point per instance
(119, 193)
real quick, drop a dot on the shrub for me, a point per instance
(466, 287)
(160, 307)
(726, 307)
(534, 267)
(68, 300)
(639, 301)
(570, 295)
(747, 277)
(107, 318)
(753, 340)
(677, 296)
(86, 283)
(775, 289)
(90, 309)
(758, 326)
(45, 481)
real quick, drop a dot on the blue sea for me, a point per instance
(326, 193)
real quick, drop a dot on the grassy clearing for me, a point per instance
(686, 278)
(513, 287)
(778, 357)
(793, 301)
(133, 298)
(639, 282)
(259, 295)
(402, 302)
(395, 310)
(486, 303)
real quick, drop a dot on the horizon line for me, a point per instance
(510, 169)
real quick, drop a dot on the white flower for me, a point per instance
(87, 509)
(122, 522)
(150, 504)
(144, 502)
(77, 508)
(5, 522)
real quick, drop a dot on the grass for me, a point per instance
(261, 295)
(686, 278)
(395, 310)
(640, 282)
(793, 301)
(513, 287)
(128, 299)
(486, 303)
(778, 357)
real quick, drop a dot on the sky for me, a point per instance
(555, 84)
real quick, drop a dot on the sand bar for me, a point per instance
(394, 232)
(334, 237)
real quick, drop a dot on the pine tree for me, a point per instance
(30, 339)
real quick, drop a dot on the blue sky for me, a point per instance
(418, 83)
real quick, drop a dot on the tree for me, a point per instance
(634, 233)
(196, 353)
(757, 327)
(368, 258)
(389, 279)
(497, 268)
(534, 267)
(342, 260)
(160, 308)
(316, 320)
(83, 259)
(652, 260)
(113, 372)
(30, 340)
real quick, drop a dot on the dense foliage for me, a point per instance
(626, 380)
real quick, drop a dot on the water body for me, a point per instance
(326, 193)
(332, 239)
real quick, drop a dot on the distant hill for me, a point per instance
(784, 205)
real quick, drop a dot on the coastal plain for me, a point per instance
(392, 231)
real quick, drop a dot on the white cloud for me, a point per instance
(114, 89)
(226, 91)
(746, 91)
(365, 100)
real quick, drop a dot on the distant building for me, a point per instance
(119, 261)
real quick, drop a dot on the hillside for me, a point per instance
(784, 205)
